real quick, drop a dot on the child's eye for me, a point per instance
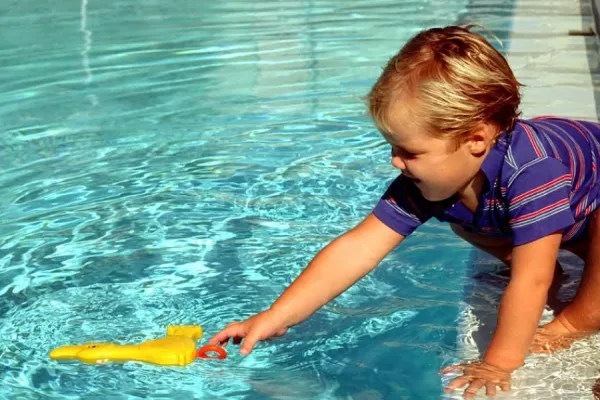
(403, 153)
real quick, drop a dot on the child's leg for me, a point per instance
(497, 247)
(502, 250)
(583, 314)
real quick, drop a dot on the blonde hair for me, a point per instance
(457, 78)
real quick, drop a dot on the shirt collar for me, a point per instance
(495, 158)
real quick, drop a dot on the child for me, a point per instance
(518, 189)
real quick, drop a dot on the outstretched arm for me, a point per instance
(333, 270)
(337, 267)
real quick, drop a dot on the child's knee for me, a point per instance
(594, 227)
(461, 233)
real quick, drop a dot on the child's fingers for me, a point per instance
(458, 383)
(473, 388)
(452, 368)
(490, 389)
(219, 338)
(249, 343)
(233, 330)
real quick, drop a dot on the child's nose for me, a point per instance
(397, 162)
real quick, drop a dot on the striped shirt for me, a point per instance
(541, 178)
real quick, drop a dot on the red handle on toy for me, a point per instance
(211, 348)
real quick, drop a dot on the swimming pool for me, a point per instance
(181, 163)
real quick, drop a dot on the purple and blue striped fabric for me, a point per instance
(541, 178)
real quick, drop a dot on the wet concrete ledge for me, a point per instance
(595, 7)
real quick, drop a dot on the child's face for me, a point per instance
(437, 170)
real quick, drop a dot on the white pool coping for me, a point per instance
(554, 65)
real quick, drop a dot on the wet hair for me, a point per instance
(452, 79)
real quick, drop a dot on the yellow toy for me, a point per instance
(177, 348)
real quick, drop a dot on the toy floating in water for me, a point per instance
(177, 348)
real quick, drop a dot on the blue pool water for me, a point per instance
(181, 162)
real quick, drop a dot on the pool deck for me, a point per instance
(595, 5)
(558, 63)
(550, 56)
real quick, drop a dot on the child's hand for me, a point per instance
(478, 375)
(258, 327)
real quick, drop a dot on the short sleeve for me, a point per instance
(402, 207)
(538, 197)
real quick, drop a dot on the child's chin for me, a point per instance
(434, 196)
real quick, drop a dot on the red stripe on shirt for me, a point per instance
(541, 188)
(539, 212)
(532, 140)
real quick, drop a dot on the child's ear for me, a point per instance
(480, 139)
